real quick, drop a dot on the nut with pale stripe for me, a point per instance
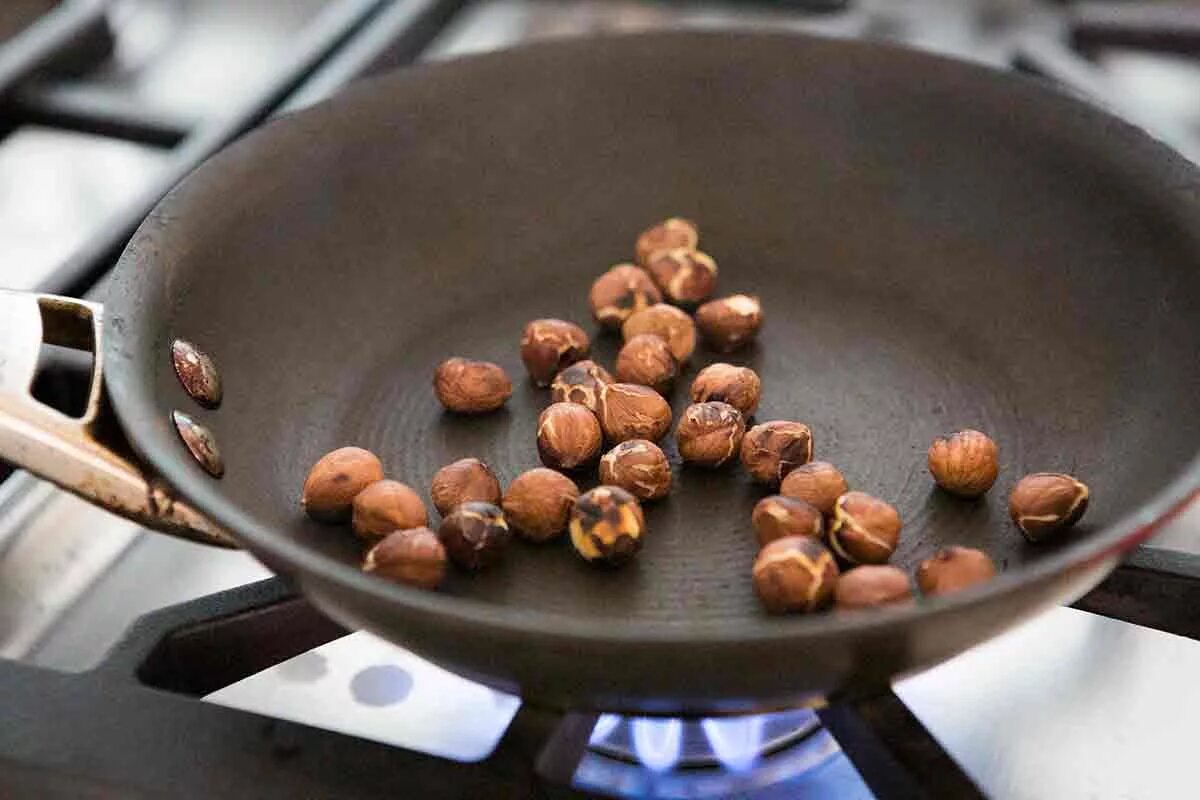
(538, 504)
(872, 586)
(953, 569)
(471, 387)
(475, 535)
(580, 383)
(415, 557)
(336, 479)
(620, 292)
(463, 480)
(773, 449)
(865, 529)
(818, 482)
(709, 434)
(667, 235)
(629, 411)
(796, 573)
(729, 322)
(674, 327)
(550, 345)
(646, 359)
(568, 436)
(777, 517)
(387, 506)
(964, 463)
(1046, 503)
(685, 276)
(738, 386)
(607, 526)
(638, 466)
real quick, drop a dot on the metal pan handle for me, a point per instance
(87, 456)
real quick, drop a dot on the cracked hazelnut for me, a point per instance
(738, 386)
(686, 277)
(667, 235)
(865, 530)
(871, 586)
(777, 517)
(709, 433)
(964, 463)
(796, 573)
(335, 480)
(568, 435)
(550, 345)
(580, 383)
(387, 506)
(464, 480)
(773, 449)
(471, 387)
(475, 535)
(639, 467)
(1044, 503)
(646, 359)
(620, 292)
(629, 411)
(729, 322)
(818, 482)
(953, 569)
(674, 326)
(414, 557)
(607, 525)
(538, 504)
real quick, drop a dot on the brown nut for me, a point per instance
(464, 480)
(709, 433)
(639, 467)
(952, 569)
(796, 573)
(538, 504)
(773, 449)
(964, 463)
(729, 322)
(607, 525)
(580, 383)
(686, 277)
(667, 322)
(818, 482)
(471, 387)
(475, 535)
(1044, 503)
(550, 345)
(568, 435)
(872, 586)
(335, 480)
(865, 529)
(738, 386)
(777, 517)
(667, 235)
(621, 291)
(415, 557)
(628, 411)
(647, 359)
(387, 506)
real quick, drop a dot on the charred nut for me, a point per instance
(568, 436)
(475, 535)
(674, 326)
(647, 359)
(964, 463)
(538, 504)
(550, 345)
(872, 586)
(952, 569)
(607, 525)
(685, 276)
(387, 506)
(471, 387)
(621, 291)
(336, 479)
(639, 467)
(667, 235)
(796, 573)
(738, 386)
(414, 557)
(580, 383)
(777, 517)
(817, 482)
(709, 434)
(628, 411)
(865, 529)
(1044, 503)
(462, 481)
(773, 449)
(729, 322)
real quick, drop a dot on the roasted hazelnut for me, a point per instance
(538, 503)
(387, 506)
(580, 383)
(415, 557)
(777, 517)
(475, 535)
(568, 435)
(471, 387)
(639, 467)
(335, 480)
(729, 322)
(818, 482)
(952, 569)
(725, 383)
(620, 292)
(647, 359)
(773, 449)
(865, 530)
(550, 345)
(796, 573)
(1045, 503)
(686, 277)
(872, 586)
(628, 411)
(674, 327)
(667, 235)
(463, 480)
(964, 463)
(607, 525)
(709, 433)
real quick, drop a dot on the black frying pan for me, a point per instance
(937, 246)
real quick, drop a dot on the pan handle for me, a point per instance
(88, 456)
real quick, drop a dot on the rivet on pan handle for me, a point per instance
(70, 452)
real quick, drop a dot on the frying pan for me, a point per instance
(937, 246)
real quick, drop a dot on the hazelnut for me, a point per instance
(773, 449)
(475, 535)
(865, 530)
(538, 503)
(629, 411)
(335, 480)
(620, 292)
(471, 387)
(465, 479)
(730, 322)
(777, 517)
(872, 586)
(674, 327)
(387, 506)
(639, 467)
(568, 435)
(607, 525)
(550, 345)
(414, 557)
(686, 277)
(796, 573)
(952, 569)
(964, 463)
(646, 359)
(1047, 502)
(580, 383)
(709, 433)
(667, 235)
(818, 482)
(738, 386)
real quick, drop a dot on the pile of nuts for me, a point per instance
(821, 542)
